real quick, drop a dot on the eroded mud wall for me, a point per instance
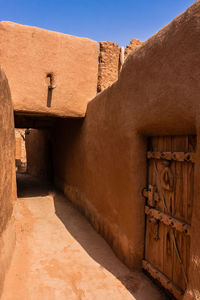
(108, 65)
(101, 162)
(7, 178)
(134, 43)
(109, 62)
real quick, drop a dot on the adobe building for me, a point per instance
(127, 157)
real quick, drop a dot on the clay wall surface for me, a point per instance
(109, 62)
(38, 151)
(100, 163)
(29, 54)
(7, 178)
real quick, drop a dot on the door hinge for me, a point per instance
(152, 194)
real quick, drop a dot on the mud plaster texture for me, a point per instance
(7, 178)
(59, 256)
(28, 54)
(38, 146)
(109, 62)
(101, 162)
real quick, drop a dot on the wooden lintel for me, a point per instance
(168, 220)
(164, 280)
(178, 156)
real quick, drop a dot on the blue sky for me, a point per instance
(105, 20)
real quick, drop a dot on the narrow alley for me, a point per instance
(59, 256)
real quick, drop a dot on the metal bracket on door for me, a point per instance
(152, 195)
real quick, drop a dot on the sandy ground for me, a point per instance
(59, 256)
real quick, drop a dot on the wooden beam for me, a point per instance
(178, 156)
(168, 220)
(164, 280)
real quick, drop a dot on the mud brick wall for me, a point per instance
(109, 62)
(108, 65)
(134, 43)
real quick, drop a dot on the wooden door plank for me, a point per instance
(178, 275)
(153, 249)
(192, 140)
(153, 252)
(185, 190)
(187, 247)
(190, 191)
(177, 272)
(149, 231)
(167, 241)
(167, 253)
(185, 255)
(178, 143)
(158, 164)
(178, 205)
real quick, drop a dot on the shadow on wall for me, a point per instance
(96, 246)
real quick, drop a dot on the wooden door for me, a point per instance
(168, 210)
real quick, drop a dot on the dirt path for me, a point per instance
(59, 256)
